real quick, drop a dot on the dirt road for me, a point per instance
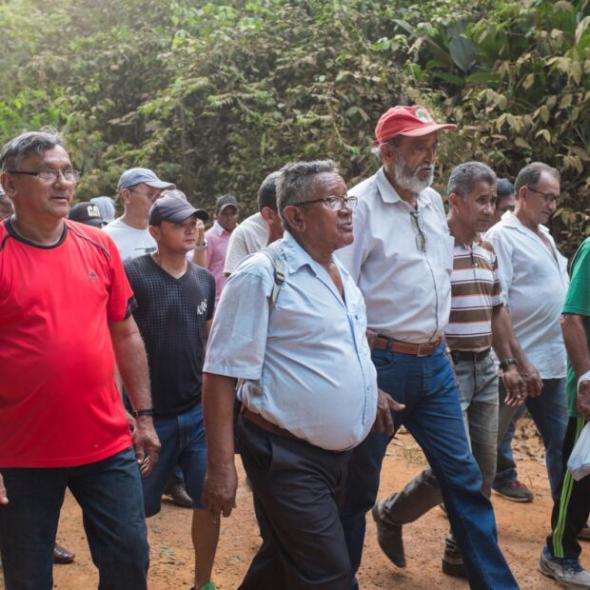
(521, 531)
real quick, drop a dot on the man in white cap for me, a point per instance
(138, 189)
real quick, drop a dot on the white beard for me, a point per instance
(408, 179)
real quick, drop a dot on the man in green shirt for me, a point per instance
(559, 559)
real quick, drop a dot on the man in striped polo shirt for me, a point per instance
(478, 321)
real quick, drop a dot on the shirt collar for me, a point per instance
(296, 256)
(390, 195)
(477, 241)
(509, 219)
(218, 229)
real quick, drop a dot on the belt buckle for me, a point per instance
(419, 352)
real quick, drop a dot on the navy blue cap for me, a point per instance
(175, 209)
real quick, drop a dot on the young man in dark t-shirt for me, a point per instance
(175, 301)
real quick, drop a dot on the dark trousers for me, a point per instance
(109, 493)
(572, 506)
(548, 410)
(296, 494)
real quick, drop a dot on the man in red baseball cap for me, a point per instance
(401, 258)
(413, 121)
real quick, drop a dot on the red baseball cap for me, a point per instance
(409, 121)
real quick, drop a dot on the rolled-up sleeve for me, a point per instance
(237, 342)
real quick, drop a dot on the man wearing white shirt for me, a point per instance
(402, 258)
(258, 230)
(309, 389)
(138, 189)
(534, 278)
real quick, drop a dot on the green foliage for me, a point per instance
(214, 95)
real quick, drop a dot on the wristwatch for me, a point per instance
(144, 412)
(504, 364)
(202, 246)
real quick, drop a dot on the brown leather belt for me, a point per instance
(389, 344)
(263, 423)
(469, 355)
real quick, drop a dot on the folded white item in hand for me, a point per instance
(579, 462)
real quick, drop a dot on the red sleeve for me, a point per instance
(120, 292)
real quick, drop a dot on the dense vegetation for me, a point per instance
(215, 95)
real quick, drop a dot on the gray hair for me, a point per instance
(465, 176)
(394, 141)
(297, 179)
(27, 144)
(531, 174)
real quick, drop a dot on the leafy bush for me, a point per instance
(215, 95)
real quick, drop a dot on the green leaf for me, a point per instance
(462, 52)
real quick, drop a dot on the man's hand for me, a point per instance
(583, 400)
(516, 388)
(532, 379)
(146, 445)
(3, 494)
(219, 492)
(385, 405)
(200, 231)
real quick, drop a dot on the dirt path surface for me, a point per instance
(522, 528)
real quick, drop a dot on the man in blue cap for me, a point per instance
(138, 189)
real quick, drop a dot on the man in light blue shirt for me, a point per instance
(309, 389)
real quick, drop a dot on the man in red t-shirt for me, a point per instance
(65, 317)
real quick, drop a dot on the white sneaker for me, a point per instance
(566, 572)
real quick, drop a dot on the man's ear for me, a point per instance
(124, 195)
(295, 218)
(454, 200)
(7, 181)
(266, 213)
(154, 231)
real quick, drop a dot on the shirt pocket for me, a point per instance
(358, 319)
(444, 251)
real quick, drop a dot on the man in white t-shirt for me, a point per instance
(534, 278)
(258, 230)
(138, 188)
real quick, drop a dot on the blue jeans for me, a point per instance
(549, 411)
(183, 444)
(427, 386)
(109, 493)
(478, 388)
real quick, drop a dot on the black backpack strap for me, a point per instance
(273, 253)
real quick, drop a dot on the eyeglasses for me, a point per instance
(547, 197)
(151, 196)
(51, 174)
(420, 235)
(332, 202)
